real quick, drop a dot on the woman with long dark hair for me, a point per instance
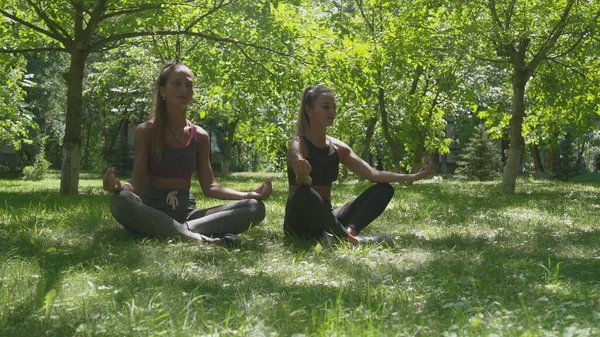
(168, 150)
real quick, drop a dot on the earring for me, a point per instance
(164, 98)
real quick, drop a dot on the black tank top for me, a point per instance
(324, 162)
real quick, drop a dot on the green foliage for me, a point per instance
(49, 301)
(591, 155)
(16, 121)
(45, 100)
(117, 94)
(480, 159)
(523, 37)
(430, 57)
(38, 170)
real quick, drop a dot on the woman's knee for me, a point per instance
(385, 189)
(121, 203)
(302, 190)
(256, 208)
(306, 193)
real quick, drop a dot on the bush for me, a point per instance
(480, 160)
(38, 170)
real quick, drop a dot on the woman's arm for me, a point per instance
(296, 157)
(355, 164)
(206, 177)
(142, 146)
(297, 154)
(142, 141)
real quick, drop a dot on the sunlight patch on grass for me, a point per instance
(18, 282)
(526, 215)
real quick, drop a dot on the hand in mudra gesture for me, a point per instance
(303, 169)
(262, 192)
(110, 182)
(426, 170)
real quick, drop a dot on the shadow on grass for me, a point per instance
(215, 302)
(54, 263)
(116, 249)
(451, 277)
(90, 241)
(10, 175)
(495, 254)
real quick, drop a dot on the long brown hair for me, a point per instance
(309, 96)
(159, 109)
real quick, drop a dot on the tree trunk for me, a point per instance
(549, 169)
(517, 142)
(86, 151)
(537, 159)
(227, 151)
(421, 136)
(69, 180)
(366, 150)
(419, 152)
(386, 130)
(445, 163)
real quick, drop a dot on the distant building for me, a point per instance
(8, 157)
(446, 163)
(216, 155)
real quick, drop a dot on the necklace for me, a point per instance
(179, 140)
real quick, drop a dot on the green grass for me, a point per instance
(468, 261)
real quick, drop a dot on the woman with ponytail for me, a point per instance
(313, 165)
(168, 150)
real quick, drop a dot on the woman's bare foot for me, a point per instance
(352, 239)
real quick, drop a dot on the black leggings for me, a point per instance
(307, 215)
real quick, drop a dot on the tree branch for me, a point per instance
(481, 58)
(193, 46)
(552, 38)
(95, 19)
(364, 15)
(509, 14)
(570, 49)
(494, 13)
(132, 10)
(53, 26)
(157, 46)
(122, 43)
(415, 82)
(215, 8)
(575, 71)
(30, 25)
(253, 60)
(115, 38)
(32, 50)
(589, 29)
(518, 57)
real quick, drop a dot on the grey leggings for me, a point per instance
(167, 214)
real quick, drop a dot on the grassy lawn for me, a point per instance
(468, 261)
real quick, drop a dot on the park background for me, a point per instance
(516, 254)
